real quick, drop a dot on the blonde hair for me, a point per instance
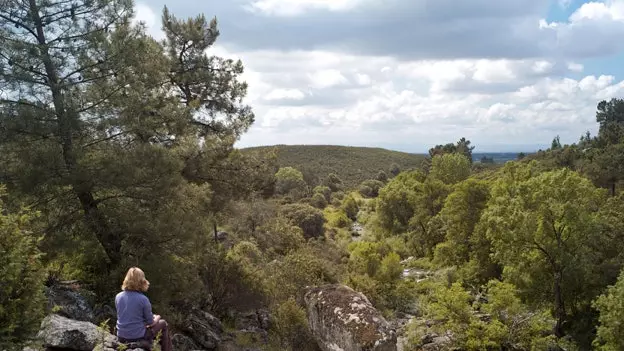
(135, 280)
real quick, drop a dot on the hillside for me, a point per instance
(352, 164)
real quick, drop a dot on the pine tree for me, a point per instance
(115, 135)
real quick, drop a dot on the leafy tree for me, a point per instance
(350, 207)
(22, 277)
(382, 176)
(450, 168)
(462, 147)
(610, 117)
(460, 215)
(510, 325)
(545, 228)
(333, 182)
(556, 144)
(318, 201)
(289, 180)
(370, 188)
(394, 207)
(306, 217)
(325, 191)
(279, 237)
(611, 307)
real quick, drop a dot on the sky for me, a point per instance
(509, 75)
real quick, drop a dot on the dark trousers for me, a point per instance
(165, 339)
(150, 336)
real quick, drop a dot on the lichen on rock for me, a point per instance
(342, 319)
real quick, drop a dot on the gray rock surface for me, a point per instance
(183, 343)
(64, 333)
(66, 300)
(203, 328)
(342, 319)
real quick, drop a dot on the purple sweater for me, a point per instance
(134, 312)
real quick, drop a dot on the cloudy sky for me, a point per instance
(408, 74)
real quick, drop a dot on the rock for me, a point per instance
(105, 313)
(65, 300)
(437, 343)
(183, 343)
(258, 319)
(203, 328)
(343, 319)
(64, 333)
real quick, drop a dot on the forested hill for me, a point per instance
(351, 164)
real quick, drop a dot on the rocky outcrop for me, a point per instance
(342, 319)
(64, 333)
(203, 328)
(65, 299)
(183, 343)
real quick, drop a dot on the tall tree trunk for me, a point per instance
(559, 306)
(94, 218)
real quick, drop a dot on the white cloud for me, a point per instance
(298, 7)
(424, 102)
(284, 94)
(526, 90)
(327, 78)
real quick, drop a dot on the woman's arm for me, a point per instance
(148, 316)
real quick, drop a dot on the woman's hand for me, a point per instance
(156, 319)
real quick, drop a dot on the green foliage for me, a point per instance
(325, 191)
(291, 327)
(21, 277)
(306, 217)
(318, 201)
(382, 177)
(611, 307)
(507, 324)
(458, 219)
(288, 277)
(126, 149)
(450, 168)
(337, 218)
(542, 227)
(351, 164)
(333, 182)
(370, 188)
(462, 147)
(394, 205)
(350, 207)
(289, 180)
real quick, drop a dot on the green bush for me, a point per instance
(318, 201)
(306, 217)
(290, 330)
(22, 299)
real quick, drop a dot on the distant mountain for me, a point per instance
(498, 157)
(351, 164)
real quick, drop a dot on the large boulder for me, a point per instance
(203, 328)
(182, 342)
(63, 333)
(343, 319)
(65, 299)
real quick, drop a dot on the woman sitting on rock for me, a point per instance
(135, 321)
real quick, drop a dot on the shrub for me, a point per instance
(306, 217)
(318, 201)
(21, 278)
